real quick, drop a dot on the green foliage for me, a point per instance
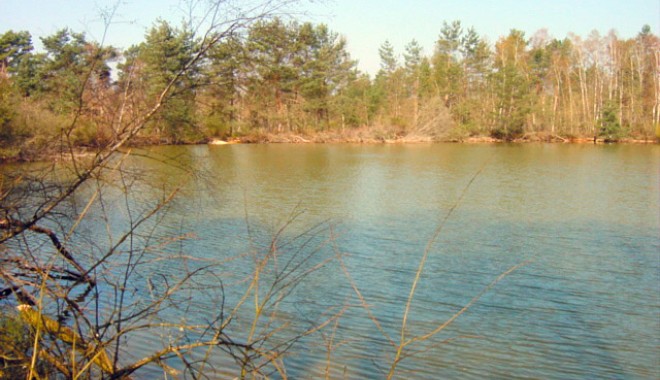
(16, 341)
(512, 86)
(69, 66)
(62, 69)
(164, 64)
(388, 61)
(14, 344)
(458, 65)
(14, 47)
(223, 76)
(292, 77)
(216, 126)
(610, 129)
(165, 52)
(326, 72)
(28, 75)
(413, 56)
(294, 74)
(356, 106)
(18, 62)
(7, 111)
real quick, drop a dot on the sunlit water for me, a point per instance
(584, 220)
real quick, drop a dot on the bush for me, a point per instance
(7, 112)
(15, 345)
(508, 133)
(610, 128)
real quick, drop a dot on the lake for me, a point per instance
(583, 220)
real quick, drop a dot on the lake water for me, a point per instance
(584, 220)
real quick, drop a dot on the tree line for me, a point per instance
(280, 77)
(75, 304)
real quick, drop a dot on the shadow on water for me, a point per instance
(586, 307)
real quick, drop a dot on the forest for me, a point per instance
(95, 261)
(283, 80)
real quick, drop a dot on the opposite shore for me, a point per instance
(339, 139)
(8, 156)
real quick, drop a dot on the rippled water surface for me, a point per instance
(584, 219)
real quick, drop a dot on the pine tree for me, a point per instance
(156, 63)
(610, 128)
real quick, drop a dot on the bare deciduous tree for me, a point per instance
(85, 297)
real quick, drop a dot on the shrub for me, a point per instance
(15, 345)
(610, 128)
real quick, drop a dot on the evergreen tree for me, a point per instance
(448, 70)
(225, 77)
(63, 70)
(273, 78)
(610, 128)
(511, 86)
(157, 63)
(14, 47)
(325, 71)
(390, 83)
(388, 61)
(413, 66)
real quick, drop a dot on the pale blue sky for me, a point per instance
(365, 23)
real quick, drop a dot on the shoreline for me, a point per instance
(335, 139)
(301, 139)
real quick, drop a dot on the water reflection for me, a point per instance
(586, 216)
